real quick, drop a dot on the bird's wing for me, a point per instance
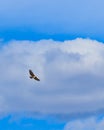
(36, 78)
(31, 73)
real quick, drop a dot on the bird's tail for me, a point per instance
(31, 77)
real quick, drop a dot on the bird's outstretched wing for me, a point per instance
(31, 73)
(36, 78)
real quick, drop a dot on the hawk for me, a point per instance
(32, 75)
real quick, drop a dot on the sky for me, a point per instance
(63, 43)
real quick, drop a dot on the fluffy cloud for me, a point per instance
(88, 124)
(71, 74)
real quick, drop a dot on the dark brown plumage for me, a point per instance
(33, 76)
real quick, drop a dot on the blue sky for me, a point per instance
(62, 41)
(37, 19)
(29, 123)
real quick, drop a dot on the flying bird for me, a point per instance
(32, 75)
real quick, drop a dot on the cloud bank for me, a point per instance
(71, 74)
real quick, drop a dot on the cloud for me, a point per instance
(87, 124)
(71, 74)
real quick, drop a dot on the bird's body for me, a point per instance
(32, 75)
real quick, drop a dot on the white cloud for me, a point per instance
(71, 74)
(87, 124)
